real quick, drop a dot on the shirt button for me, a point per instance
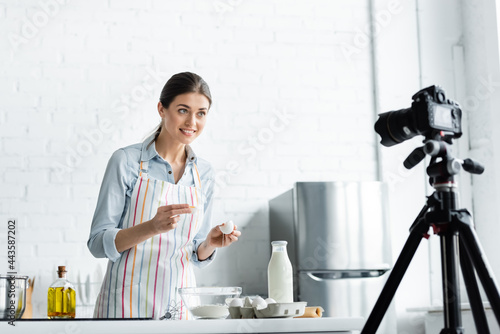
(170, 172)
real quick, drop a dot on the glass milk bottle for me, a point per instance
(280, 274)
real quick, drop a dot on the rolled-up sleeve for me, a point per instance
(207, 223)
(110, 208)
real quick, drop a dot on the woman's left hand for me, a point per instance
(218, 239)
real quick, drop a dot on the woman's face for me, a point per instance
(185, 117)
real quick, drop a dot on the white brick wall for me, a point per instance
(81, 79)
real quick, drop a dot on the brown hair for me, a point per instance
(178, 84)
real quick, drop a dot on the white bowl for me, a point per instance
(208, 302)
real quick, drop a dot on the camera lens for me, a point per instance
(395, 127)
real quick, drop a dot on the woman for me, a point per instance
(152, 219)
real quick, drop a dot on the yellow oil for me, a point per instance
(19, 305)
(61, 303)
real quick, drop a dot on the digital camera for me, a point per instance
(430, 113)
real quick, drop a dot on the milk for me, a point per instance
(280, 274)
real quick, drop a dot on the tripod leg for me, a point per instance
(451, 293)
(478, 259)
(476, 304)
(384, 300)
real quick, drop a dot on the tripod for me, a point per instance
(458, 239)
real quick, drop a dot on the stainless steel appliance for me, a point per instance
(338, 243)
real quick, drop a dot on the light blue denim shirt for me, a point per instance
(117, 186)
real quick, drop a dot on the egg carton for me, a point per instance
(274, 310)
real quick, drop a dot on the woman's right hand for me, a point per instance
(167, 216)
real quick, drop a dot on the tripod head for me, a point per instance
(443, 166)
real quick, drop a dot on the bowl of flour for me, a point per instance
(209, 302)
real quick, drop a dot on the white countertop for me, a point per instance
(281, 325)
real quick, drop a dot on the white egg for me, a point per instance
(270, 301)
(248, 302)
(227, 227)
(259, 303)
(236, 302)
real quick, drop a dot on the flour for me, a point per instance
(210, 311)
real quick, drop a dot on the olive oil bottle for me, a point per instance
(61, 298)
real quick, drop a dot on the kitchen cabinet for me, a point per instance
(281, 325)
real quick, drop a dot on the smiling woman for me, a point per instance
(183, 93)
(152, 219)
(182, 122)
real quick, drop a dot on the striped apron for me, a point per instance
(143, 282)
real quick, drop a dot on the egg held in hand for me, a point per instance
(227, 227)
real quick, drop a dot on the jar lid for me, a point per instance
(13, 277)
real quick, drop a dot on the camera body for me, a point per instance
(430, 114)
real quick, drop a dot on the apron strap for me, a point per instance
(196, 176)
(143, 169)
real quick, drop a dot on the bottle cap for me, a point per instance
(279, 243)
(61, 269)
